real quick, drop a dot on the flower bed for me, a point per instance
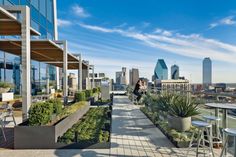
(179, 139)
(89, 131)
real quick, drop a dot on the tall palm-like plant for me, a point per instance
(181, 106)
(164, 102)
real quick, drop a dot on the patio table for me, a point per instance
(224, 107)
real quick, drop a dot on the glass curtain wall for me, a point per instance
(10, 69)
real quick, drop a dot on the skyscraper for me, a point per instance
(133, 76)
(161, 70)
(174, 72)
(121, 77)
(124, 76)
(206, 72)
(118, 77)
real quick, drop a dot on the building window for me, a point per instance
(7, 2)
(35, 25)
(42, 7)
(35, 3)
(50, 10)
(24, 2)
(34, 13)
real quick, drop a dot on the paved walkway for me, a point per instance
(133, 135)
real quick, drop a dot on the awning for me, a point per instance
(43, 51)
(9, 25)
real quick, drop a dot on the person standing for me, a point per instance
(137, 89)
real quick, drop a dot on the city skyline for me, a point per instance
(138, 39)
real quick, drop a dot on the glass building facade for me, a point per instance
(161, 70)
(174, 72)
(42, 20)
(206, 71)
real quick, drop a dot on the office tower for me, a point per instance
(118, 77)
(174, 72)
(43, 19)
(206, 72)
(161, 70)
(121, 77)
(133, 76)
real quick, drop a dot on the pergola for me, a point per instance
(48, 51)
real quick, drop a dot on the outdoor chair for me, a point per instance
(2, 125)
(8, 112)
(228, 132)
(217, 139)
(202, 127)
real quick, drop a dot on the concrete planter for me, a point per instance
(179, 123)
(45, 137)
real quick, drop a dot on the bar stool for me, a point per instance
(202, 126)
(229, 132)
(217, 139)
(2, 125)
(8, 113)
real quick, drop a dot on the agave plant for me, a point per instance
(181, 106)
(164, 102)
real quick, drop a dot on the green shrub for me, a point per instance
(95, 90)
(40, 113)
(90, 128)
(88, 93)
(57, 105)
(5, 85)
(71, 109)
(99, 89)
(80, 96)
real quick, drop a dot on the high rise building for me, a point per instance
(174, 72)
(161, 70)
(133, 76)
(206, 72)
(118, 77)
(121, 77)
(124, 76)
(43, 19)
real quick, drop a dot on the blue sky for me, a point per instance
(135, 33)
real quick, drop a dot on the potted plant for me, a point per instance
(180, 112)
(5, 87)
(163, 104)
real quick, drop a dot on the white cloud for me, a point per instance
(62, 23)
(192, 45)
(163, 32)
(225, 21)
(79, 11)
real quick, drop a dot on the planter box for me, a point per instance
(45, 137)
(179, 123)
(6, 96)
